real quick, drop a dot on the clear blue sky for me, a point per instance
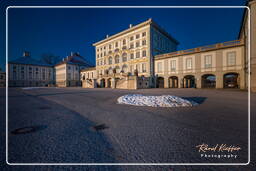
(60, 31)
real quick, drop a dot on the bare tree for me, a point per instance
(50, 59)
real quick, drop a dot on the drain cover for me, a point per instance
(100, 127)
(28, 129)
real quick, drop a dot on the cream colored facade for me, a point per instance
(67, 75)
(250, 42)
(191, 68)
(123, 58)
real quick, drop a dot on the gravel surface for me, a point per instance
(66, 122)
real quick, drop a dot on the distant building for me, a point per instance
(29, 72)
(26, 72)
(68, 70)
(2, 79)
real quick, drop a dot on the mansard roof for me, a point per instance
(147, 22)
(75, 59)
(28, 60)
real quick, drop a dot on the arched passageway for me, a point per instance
(231, 80)
(160, 82)
(208, 81)
(109, 83)
(102, 83)
(189, 81)
(173, 82)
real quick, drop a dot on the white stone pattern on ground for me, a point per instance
(155, 101)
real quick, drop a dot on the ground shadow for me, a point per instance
(198, 100)
(28, 129)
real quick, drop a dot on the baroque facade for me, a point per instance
(125, 60)
(119, 63)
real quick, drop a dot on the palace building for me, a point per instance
(146, 56)
(26, 71)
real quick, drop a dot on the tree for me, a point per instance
(50, 59)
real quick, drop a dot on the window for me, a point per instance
(131, 69)
(137, 44)
(143, 42)
(101, 55)
(109, 46)
(137, 54)
(208, 61)
(43, 74)
(189, 63)
(137, 36)
(159, 67)
(124, 42)
(144, 67)
(131, 56)
(76, 68)
(144, 53)
(104, 47)
(97, 50)
(131, 38)
(131, 46)
(69, 76)
(22, 74)
(104, 53)
(116, 44)
(173, 65)
(116, 59)
(110, 60)
(231, 57)
(137, 66)
(98, 55)
(124, 57)
(143, 34)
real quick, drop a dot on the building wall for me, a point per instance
(244, 34)
(2, 79)
(67, 75)
(199, 66)
(103, 52)
(61, 74)
(30, 75)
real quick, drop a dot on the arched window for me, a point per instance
(124, 57)
(110, 70)
(110, 60)
(125, 68)
(117, 69)
(117, 59)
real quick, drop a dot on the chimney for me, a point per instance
(26, 54)
(130, 25)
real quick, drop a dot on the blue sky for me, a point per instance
(60, 31)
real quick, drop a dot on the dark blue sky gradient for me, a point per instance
(60, 31)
